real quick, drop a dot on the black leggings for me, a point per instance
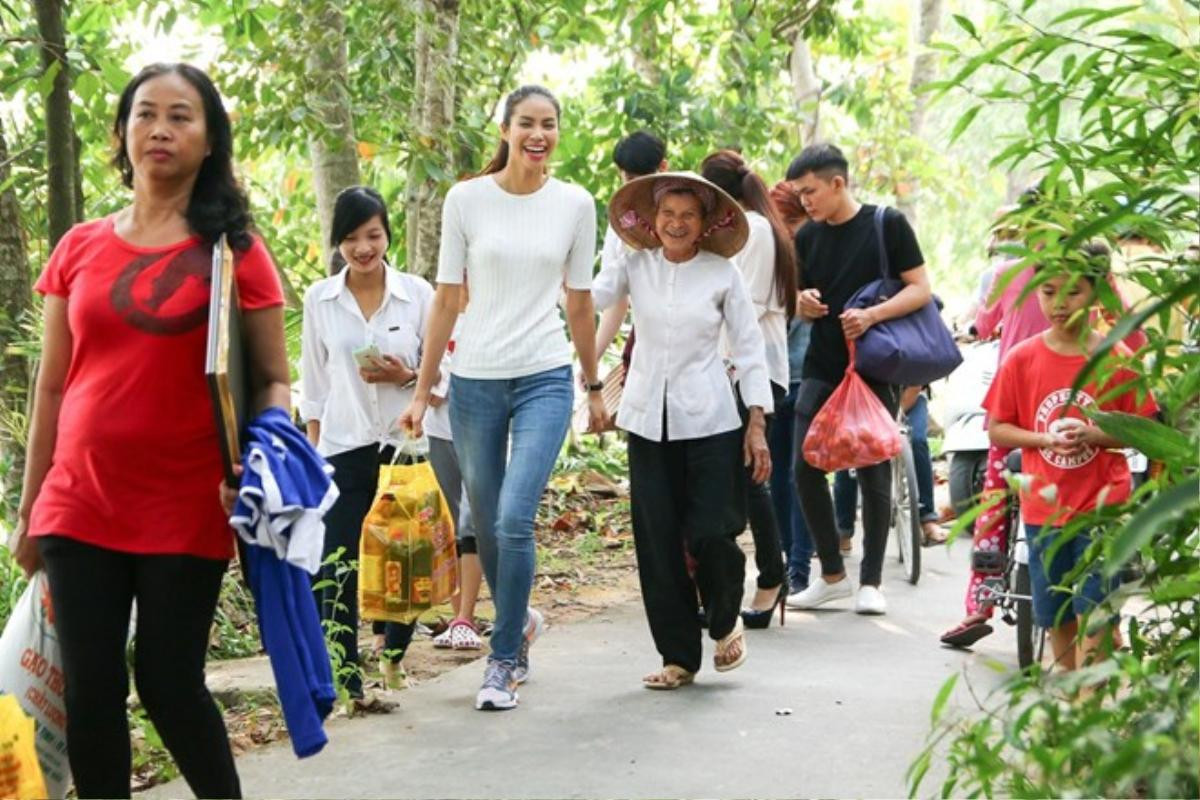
(760, 509)
(92, 590)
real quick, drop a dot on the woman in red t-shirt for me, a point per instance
(122, 498)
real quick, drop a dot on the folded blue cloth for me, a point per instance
(286, 490)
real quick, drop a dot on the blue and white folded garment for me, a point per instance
(286, 489)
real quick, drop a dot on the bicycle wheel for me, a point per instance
(906, 514)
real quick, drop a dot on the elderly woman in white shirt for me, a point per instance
(361, 344)
(686, 446)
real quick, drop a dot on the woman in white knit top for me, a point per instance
(521, 235)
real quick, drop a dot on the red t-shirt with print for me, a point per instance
(1031, 391)
(136, 461)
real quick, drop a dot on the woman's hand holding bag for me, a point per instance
(853, 428)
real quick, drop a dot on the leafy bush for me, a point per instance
(1113, 128)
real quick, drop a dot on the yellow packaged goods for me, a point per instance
(407, 562)
(20, 774)
(31, 674)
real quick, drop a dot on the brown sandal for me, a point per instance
(932, 534)
(734, 640)
(672, 676)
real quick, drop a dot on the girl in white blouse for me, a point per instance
(686, 442)
(768, 267)
(360, 345)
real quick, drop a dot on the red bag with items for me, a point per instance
(853, 428)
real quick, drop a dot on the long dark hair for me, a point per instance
(728, 170)
(217, 205)
(500, 160)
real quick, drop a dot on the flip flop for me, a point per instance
(736, 637)
(928, 539)
(672, 676)
(966, 634)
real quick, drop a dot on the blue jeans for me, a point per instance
(845, 502)
(918, 434)
(793, 532)
(505, 487)
(1055, 603)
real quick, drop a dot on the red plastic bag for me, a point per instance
(853, 428)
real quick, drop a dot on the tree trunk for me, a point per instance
(928, 21)
(432, 115)
(806, 90)
(644, 44)
(60, 138)
(15, 302)
(334, 149)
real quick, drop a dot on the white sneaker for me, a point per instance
(535, 623)
(870, 601)
(499, 690)
(819, 593)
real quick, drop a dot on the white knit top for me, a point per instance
(517, 251)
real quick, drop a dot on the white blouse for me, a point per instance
(677, 358)
(757, 262)
(352, 412)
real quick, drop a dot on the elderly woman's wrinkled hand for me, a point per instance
(599, 419)
(757, 454)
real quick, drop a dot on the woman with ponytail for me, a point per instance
(768, 268)
(520, 235)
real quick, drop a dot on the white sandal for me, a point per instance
(461, 635)
(735, 638)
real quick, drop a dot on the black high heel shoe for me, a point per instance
(757, 620)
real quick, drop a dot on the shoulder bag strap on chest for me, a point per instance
(884, 272)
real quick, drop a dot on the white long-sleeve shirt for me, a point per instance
(518, 250)
(352, 412)
(677, 361)
(757, 264)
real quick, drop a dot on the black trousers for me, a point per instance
(688, 493)
(760, 507)
(356, 473)
(816, 503)
(92, 590)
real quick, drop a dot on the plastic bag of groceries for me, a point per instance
(853, 428)
(20, 775)
(31, 672)
(406, 562)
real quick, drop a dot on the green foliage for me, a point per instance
(1112, 126)
(235, 625)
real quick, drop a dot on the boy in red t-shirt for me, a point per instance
(1071, 466)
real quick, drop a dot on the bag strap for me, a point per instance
(883, 256)
(410, 447)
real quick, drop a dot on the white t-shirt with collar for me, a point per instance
(518, 251)
(352, 412)
(677, 362)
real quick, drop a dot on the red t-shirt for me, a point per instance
(136, 462)
(1031, 391)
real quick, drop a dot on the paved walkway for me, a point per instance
(859, 690)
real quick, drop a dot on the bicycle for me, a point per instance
(1008, 588)
(906, 509)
